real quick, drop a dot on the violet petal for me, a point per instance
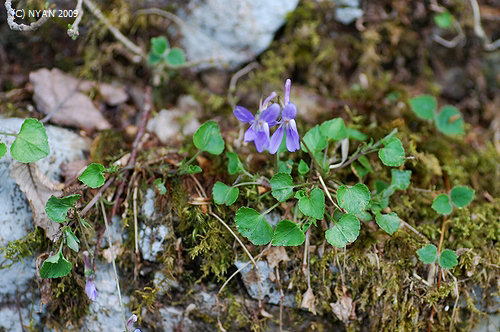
(242, 114)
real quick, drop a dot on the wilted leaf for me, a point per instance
(275, 255)
(58, 94)
(38, 188)
(308, 301)
(343, 308)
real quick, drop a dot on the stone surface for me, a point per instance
(269, 289)
(231, 32)
(16, 219)
(105, 313)
(347, 11)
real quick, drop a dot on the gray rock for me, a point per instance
(347, 11)
(231, 32)
(16, 219)
(269, 290)
(105, 313)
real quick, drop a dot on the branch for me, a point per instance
(74, 32)
(11, 14)
(118, 35)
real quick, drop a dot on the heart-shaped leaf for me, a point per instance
(354, 199)
(461, 196)
(448, 259)
(344, 232)
(288, 233)
(93, 175)
(223, 194)
(442, 204)
(55, 266)
(234, 165)
(400, 179)
(334, 129)
(424, 106)
(31, 143)
(393, 154)
(312, 205)
(208, 138)
(388, 222)
(282, 186)
(449, 121)
(253, 225)
(57, 208)
(427, 254)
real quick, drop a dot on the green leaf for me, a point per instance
(57, 208)
(364, 216)
(3, 149)
(303, 167)
(359, 170)
(282, 186)
(71, 239)
(223, 194)
(380, 186)
(253, 225)
(344, 232)
(234, 165)
(285, 166)
(387, 138)
(93, 175)
(427, 254)
(354, 199)
(388, 222)
(312, 205)
(334, 129)
(443, 20)
(55, 266)
(160, 186)
(442, 204)
(356, 134)
(461, 196)
(154, 59)
(176, 57)
(400, 179)
(191, 169)
(85, 224)
(363, 160)
(159, 45)
(31, 143)
(449, 121)
(288, 233)
(393, 154)
(448, 259)
(315, 140)
(424, 106)
(208, 138)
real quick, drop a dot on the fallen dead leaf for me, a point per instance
(275, 255)
(113, 95)
(308, 301)
(70, 171)
(43, 284)
(343, 308)
(58, 95)
(38, 188)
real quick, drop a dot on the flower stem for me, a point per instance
(320, 169)
(276, 159)
(7, 134)
(83, 234)
(271, 208)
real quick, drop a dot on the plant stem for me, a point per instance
(83, 234)
(312, 157)
(189, 161)
(7, 134)
(246, 184)
(271, 208)
(276, 159)
(113, 262)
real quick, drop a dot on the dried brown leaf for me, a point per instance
(73, 169)
(275, 255)
(58, 95)
(38, 188)
(308, 301)
(343, 308)
(43, 284)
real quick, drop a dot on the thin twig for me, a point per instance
(113, 263)
(134, 198)
(118, 35)
(234, 79)
(97, 196)
(74, 31)
(326, 190)
(11, 15)
(478, 29)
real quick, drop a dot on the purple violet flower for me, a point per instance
(287, 124)
(90, 289)
(260, 123)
